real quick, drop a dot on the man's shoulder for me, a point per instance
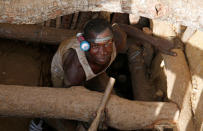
(70, 55)
(73, 70)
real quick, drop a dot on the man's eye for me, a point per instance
(95, 46)
(107, 44)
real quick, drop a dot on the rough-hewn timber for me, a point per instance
(80, 104)
(194, 52)
(35, 33)
(179, 87)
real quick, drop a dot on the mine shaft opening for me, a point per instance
(34, 61)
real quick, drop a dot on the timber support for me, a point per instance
(78, 103)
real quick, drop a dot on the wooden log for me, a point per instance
(134, 19)
(105, 15)
(120, 18)
(187, 13)
(163, 29)
(194, 54)
(178, 77)
(179, 87)
(66, 21)
(83, 18)
(158, 77)
(187, 34)
(74, 21)
(148, 51)
(78, 103)
(35, 33)
(58, 22)
(48, 23)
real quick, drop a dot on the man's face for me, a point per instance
(101, 51)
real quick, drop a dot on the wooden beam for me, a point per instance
(66, 21)
(194, 54)
(188, 34)
(78, 103)
(134, 19)
(179, 87)
(58, 22)
(187, 13)
(74, 21)
(35, 33)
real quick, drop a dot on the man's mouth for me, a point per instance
(103, 58)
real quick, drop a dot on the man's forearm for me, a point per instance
(138, 34)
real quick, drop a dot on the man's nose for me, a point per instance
(102, 50)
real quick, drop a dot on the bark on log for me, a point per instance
(187, 13)
(35, 33)
(79, 103)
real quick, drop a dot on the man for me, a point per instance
(73, 67)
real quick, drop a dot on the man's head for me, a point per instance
(99, 33)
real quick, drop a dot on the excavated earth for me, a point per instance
(23, 63)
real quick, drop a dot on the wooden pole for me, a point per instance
(78, 103)
(104, 101)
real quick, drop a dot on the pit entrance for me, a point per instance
(28, 63)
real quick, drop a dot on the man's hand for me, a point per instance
(165, 46)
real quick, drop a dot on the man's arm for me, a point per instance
(120, 38)
(163, 45)
(74, 74)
